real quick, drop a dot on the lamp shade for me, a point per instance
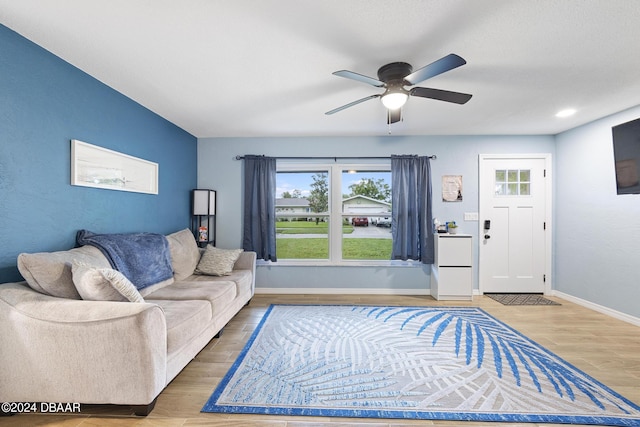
(204, 202)
(394, 100)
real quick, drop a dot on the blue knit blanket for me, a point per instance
(144, 258)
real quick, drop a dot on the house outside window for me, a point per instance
(333, 214)
(288, 207)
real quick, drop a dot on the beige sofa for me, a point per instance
(57, 347)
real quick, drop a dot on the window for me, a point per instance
(513, 182)
(337, 213)
(302, 214)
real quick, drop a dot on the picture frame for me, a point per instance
(452, 188)
(99, 167)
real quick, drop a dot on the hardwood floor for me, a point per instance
(606, 348)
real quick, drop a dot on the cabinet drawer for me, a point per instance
(453, 251)
(455, 281)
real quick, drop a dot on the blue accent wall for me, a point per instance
(44, 103)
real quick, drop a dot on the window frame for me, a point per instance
(507, 182)
(335, 171)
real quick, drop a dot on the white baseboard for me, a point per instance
(599, 308)
(342, 291)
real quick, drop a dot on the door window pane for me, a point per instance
(525, 182)
(513, 182)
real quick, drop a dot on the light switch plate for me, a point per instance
(471, 216)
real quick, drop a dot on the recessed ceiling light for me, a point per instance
(566, 113)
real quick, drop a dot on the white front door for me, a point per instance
(514, 253)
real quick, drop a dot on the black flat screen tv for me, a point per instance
(626, 152)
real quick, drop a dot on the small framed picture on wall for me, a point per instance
(452, 188)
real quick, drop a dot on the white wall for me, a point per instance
(597, 243)
(457, 155)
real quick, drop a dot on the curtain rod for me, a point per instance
(334, 158)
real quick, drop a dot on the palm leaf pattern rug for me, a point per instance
(439, 363)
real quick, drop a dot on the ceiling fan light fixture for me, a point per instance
(394, 99)
(396, 76)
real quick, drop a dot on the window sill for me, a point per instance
(326, 263)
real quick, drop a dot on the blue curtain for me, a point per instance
(412, 216)
(259, 233)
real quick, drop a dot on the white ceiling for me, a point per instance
(263, 68)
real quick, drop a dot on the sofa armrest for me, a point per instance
(62, 350)
(247, 261)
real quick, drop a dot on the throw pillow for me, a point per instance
(50, 272)
(185, 253)
(103, 284)
(218, 262)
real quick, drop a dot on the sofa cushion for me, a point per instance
(217, 262)
(185, 253)
(219, 293)
(50, 272)
(103, 284)
(151, 289)
(243, 280)
(185, 320)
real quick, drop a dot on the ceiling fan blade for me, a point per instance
(351, 104)
(394, 116)
(440, 66)
(441, 95)
(358, 77)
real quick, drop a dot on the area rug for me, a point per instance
(435, 363)
(521, 299)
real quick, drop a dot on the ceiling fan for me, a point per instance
(395, 76)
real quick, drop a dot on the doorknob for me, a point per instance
(487, 227)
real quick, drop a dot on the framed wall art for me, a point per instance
(94, 166)
(452, 188)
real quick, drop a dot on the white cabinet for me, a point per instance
(451, 272)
